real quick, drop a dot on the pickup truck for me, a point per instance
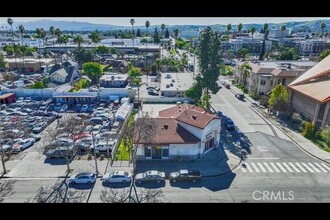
(185, 175)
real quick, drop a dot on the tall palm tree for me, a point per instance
(132, 21)
(253, 30)
(228, 29)
(78, 39)
(283, 28)
(22, 31)
(10, 22)
(240, 27)
(147, 26)
(245, 70)
(163, 26)
(57, 33)
(52, 31)
(265, 28)
(38, 32)
(323, 25)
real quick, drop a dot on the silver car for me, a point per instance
(150, 176)
(84, 178)
(117, 177)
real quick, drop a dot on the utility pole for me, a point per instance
(96, 169)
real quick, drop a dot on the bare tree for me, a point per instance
(144, 196)
(69, 126)
(58, 193)
(6, 189)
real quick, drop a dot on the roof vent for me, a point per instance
(166, 127)
(194, 117)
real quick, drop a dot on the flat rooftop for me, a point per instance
(179, 81)
(154, 109)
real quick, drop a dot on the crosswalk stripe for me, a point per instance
(313, 167)
(295, 168)
(268, 167)
(287, 167)
(249, 168)
(255, 167)
(280, 166)
(261, 167)
(307, 167)
(298, 165)
(275, 168)
(326, 167)
(321, 168)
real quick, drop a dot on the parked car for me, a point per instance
(117, 177)
(84, 108)
(150, 176)
(185, 175)
(227, 86)
(104, 146)
(22, 145)
(60, 152)
(83, 178)
(240, 96)
(57, 107)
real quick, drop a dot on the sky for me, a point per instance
(125, 21)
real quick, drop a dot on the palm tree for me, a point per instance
(78, 39)
(240, 27)
(10, 22)
(52, 31)
(147, 26)
(283, 28)
(245, 70)
(163, 26)
(132, 21)
(265, 29)
(22, 31)
(57, 33)
(253, 30)
(228, 29)
(323, 25)
(38, 32)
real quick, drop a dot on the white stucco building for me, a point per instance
(184, 131)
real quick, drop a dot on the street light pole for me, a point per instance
(96, 169)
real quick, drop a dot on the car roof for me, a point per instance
(85, 174)
(152, 172)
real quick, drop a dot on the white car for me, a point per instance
(104, 146)
(22, 145)
(84, 178)
(117, 177)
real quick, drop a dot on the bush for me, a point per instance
(89, 156)
(97, 153)
(309, 130)
(102, 157)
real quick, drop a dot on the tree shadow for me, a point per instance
(82, 186)
(6, 189)
(150, 185)
(116, 185)
(61, 161)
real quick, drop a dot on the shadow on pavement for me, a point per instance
(81, 186)
(151, 185)
(219, 183)
(116, 185)
(54, 161)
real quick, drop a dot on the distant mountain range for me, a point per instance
(313, 26)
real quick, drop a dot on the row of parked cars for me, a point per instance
(126, 177)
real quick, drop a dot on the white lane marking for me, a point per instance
(300, 167)
(249, 168)
(261, 167)
(268, 167)
(307, 167)
(280, 166)
(255, 167)
(326, 167)
(313, 167)
(295, 168)
(321, 168)
(275, 168)
(287, 167)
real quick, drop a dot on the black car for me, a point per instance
(61, 152)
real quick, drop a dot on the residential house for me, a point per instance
(310, 93)
(120, 66)
(184, 131)
(265, 75)
(114, 80)
(60, 76)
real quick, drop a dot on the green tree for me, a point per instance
(94, 71)
(10, 22)
(134, 73)
(22, 31)
(82, 55)
(52, 32)
(279, 98)
(263, 46)
(324, 54)
(81, 84)
(138, 32)
(176, 33)
(243, 52)
(283, 28)
(147, 26)
(194, 92)
(240, 27)
(163, 26)
(101, 49)
(132, 21)
(209, 53)
(245, 70)
(156, 36)
(309, 130)
(2, 61)
(323, 25)
(78, 39)
(325, 134)
(167, 33)
(228, 28)
(38, 85)
(95, 37)
(289, 54)
(253, 30)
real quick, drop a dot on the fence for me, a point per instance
(34, 93)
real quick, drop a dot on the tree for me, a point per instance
(240, 27)
(78, 39)
(263, 46)
(138, 32)
(163, 26)
(22, 31)
(82, 55)
(309, 130)
(289, 54)
(134, 73)
(38, 85)
(243, 52)
(278, 98)
(95, 37)
(176, 33)
(283, 28)
(324, 54)
(209, 62)
(94, 71)
(323, 25)
(3, 64)
(253, 30)
(156, 36)
(228, 28)
(132, 21)
(147, 26)
(102, 49)
(52, 32)
(10, 22)
(325, 134)
(167, 33)
(194, 92)
(81, 84)
(245, 70)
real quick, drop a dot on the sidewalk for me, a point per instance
(303, 143)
